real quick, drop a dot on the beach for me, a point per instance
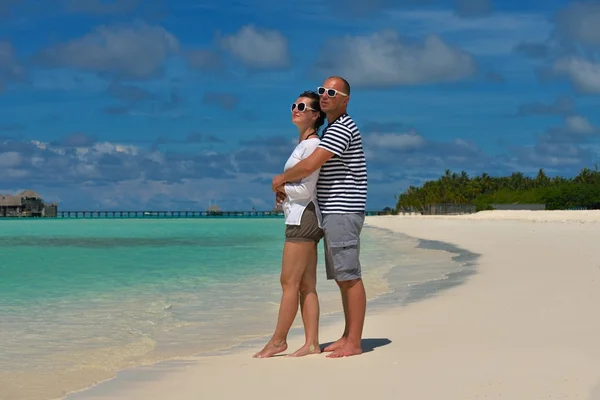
(523, 326)
(82, 299)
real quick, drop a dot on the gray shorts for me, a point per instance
(341, 243)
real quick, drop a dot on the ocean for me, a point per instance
(81, 299)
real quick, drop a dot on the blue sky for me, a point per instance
(178, 105)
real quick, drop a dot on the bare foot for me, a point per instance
(306, 350)
(336, 345)
(346, 350)
(271, 349)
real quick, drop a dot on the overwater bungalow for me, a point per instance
(25, 204)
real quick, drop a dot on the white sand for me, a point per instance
(525, 327)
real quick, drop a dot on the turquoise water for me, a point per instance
(69, 259)
(81, 299)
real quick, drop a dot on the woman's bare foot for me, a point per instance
(336, 345)
(306, 350)
(271, 348)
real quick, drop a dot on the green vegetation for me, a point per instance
(484, 190)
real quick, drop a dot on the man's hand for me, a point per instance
(277, 182)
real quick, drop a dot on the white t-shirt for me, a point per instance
(300, 194)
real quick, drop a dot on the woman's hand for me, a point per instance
(279, 198)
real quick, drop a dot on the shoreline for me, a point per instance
(504, 334)
(463, 260)
(103, 363)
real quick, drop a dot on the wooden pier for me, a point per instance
(178, 214)
(166, 214)
(160, 214)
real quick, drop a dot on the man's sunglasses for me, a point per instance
(302, 107)
(330, 92)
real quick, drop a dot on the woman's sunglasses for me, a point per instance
(302, 107)
(330, 92)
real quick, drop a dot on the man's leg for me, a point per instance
(344, 294)
(356, 298)
(340, 342)
(342, 249)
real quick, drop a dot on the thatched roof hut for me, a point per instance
(29, 194)
(10, 201)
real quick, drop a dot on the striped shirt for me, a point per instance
(342, 185)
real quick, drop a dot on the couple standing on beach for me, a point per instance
(323, 194)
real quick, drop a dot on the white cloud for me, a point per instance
(258, 48)
(156, 156)
(579, 21)
(384, 59)
(6, 54)
(562, 105)
(46, 146)
(444, 22)
(10, 159)
(366, 8)
(194, 194)
(205, 60)
(10, 68)
(37, 161)
(412, 150)
(545, 154)
(107, 172)
(561, 147)
(101, 7)
(579, 125)
(393, 141)
(473, 8)
(495, 34)
(111, 148)
(135, 51)
(13, 173)
(583, 74)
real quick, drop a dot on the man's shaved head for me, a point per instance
(345, 83)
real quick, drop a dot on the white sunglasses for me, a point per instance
(330, 92)
(302, 107)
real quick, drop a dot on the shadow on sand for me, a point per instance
(367, 345)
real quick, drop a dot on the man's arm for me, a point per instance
(307, 166)
(304, 168)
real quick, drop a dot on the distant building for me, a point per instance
(449, 209)
(518, 207)
(26, 204)
(214, 210)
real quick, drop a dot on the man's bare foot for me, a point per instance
(306, 350)
(346, 350)
(336, 345)
(271, 349)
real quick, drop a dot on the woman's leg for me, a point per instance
(294, 262)
(309, 303)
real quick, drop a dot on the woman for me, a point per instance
(302, 234)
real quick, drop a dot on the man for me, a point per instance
(342, 195)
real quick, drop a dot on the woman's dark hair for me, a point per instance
(317, 106)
